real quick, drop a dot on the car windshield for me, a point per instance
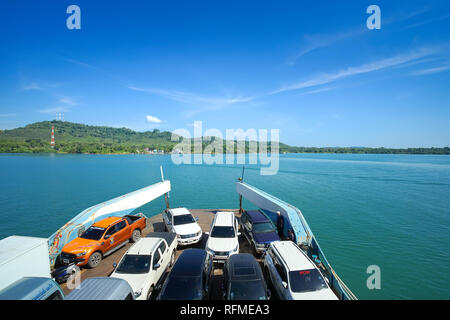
(93, 233)
(248, 290)
(134, 264)
(222, 232)
(263, 227)
(183, 219)
(182, 288)
(306, 280)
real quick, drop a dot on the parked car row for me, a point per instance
(110, 234)
(142, 272)
(292, 275)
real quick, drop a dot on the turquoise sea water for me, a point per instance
(387, 210)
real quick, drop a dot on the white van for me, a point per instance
(223, 237)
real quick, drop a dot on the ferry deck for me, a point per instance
(126, 204)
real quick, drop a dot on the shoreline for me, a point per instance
(170, 154)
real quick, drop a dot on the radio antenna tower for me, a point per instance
(52, 141)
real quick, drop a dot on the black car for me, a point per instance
(258, 229)
(63, 272)
(189, 277)
(243, 279)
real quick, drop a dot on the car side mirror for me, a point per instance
(207, 233)
(156, 266)
(238, 234)
(284, 283)
(196, 219)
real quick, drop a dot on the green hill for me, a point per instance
(80, 138)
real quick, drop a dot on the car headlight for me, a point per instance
(199, 233)
(259, 245)
(178, 236)
(236, 248)
(138, 292)
(81, 254)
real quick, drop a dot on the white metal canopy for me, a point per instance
(119, 206)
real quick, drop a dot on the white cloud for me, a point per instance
(7, 115)
(68, 101)
(151, 119)
(191, 98)
(317, 90)
(318, 41)
(32, 86)
(54, 110)
(195, 124)
(64, 104)
(362, 69)
(38, 85)
(421, 23)
(431, 70)
(201, 102)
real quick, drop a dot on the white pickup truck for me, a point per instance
(144, 265)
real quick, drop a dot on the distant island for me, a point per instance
(79, 138)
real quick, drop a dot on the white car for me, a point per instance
(181, 222)
(145, 263)
(293, 275)
(223, 237)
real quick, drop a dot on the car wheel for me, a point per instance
(149, 293)
(270, 286)
(255, 253)
(94, 260)
(172, 258)
(136, 235)
(267, 275)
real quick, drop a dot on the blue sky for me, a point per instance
(314, 71)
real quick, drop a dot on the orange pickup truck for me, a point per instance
(101, 239)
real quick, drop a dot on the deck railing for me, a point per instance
(335, 282)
